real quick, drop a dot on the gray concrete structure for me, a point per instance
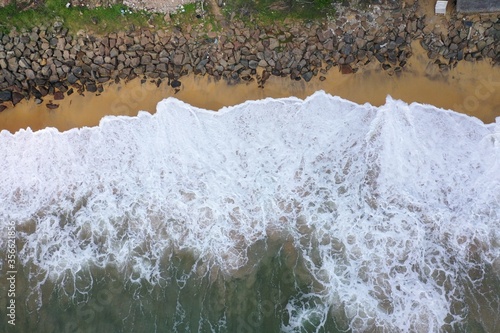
(478, 6)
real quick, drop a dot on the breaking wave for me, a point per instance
(387, 218)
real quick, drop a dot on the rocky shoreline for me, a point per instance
(48, 63)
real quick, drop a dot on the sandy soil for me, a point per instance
(471, 88)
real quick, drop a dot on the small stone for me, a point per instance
(24, 63)
(253, 64)
(175, 84)
(346, 69)
(17, 98)
(178, 59)
(5, 95)
(91, 87)
(146, 59)
(347, 49)
(134, 62)
(77, 71)
(307, 76)
(2, 107)
(58, 95)
(99, 60)
(72, 78)
(273, 43)
(380, 57)
(30, 75)
(52, 106)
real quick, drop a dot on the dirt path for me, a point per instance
(215, 9)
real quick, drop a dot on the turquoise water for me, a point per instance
(272, 216)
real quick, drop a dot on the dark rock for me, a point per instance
(43, 90)
(17, 98)
(329, 45)
(273, 43)
(72, 78)
(202, 64)
(175, 84)
(91, 87)
(24, 63)
(320, 35)
(161, 67)
(46, 71)
(276, 72)
(307, 76)
(54, 78)
(35, 92)
(391, 45)
(322, 78)
(400, 40)
(253, 64)
(178, 59)
(58, 95)
(77, 71)
(380, 57)
(134, 62)
(30, 75)
(346, 69)
(70, 92)
(99, 60)
(5, 95)
(52, 106)
(265, 76)
(386, 67)
(347, 49)
(349, 59)
(2, 107)
(146, 59)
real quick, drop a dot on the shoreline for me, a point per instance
(471, 88)
(46, 70)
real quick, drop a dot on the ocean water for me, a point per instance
(280, 215)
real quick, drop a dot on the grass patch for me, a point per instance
(188, 16)
(279, 10)
(100, 19)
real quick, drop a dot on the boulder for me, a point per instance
(253, 64)
(5, 95)
(307, 76)
(30, 75)
(91, 87)
(178, 59)
(17, 98)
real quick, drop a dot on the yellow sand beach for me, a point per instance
(471, 88)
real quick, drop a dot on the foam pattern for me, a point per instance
(391, 208)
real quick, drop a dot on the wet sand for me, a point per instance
(471, 88)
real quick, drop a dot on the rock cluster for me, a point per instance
(49, 61)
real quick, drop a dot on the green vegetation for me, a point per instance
(188, 16)
(119, 17)
(270, 10)
(100, 19)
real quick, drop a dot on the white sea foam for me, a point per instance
(390, 207)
